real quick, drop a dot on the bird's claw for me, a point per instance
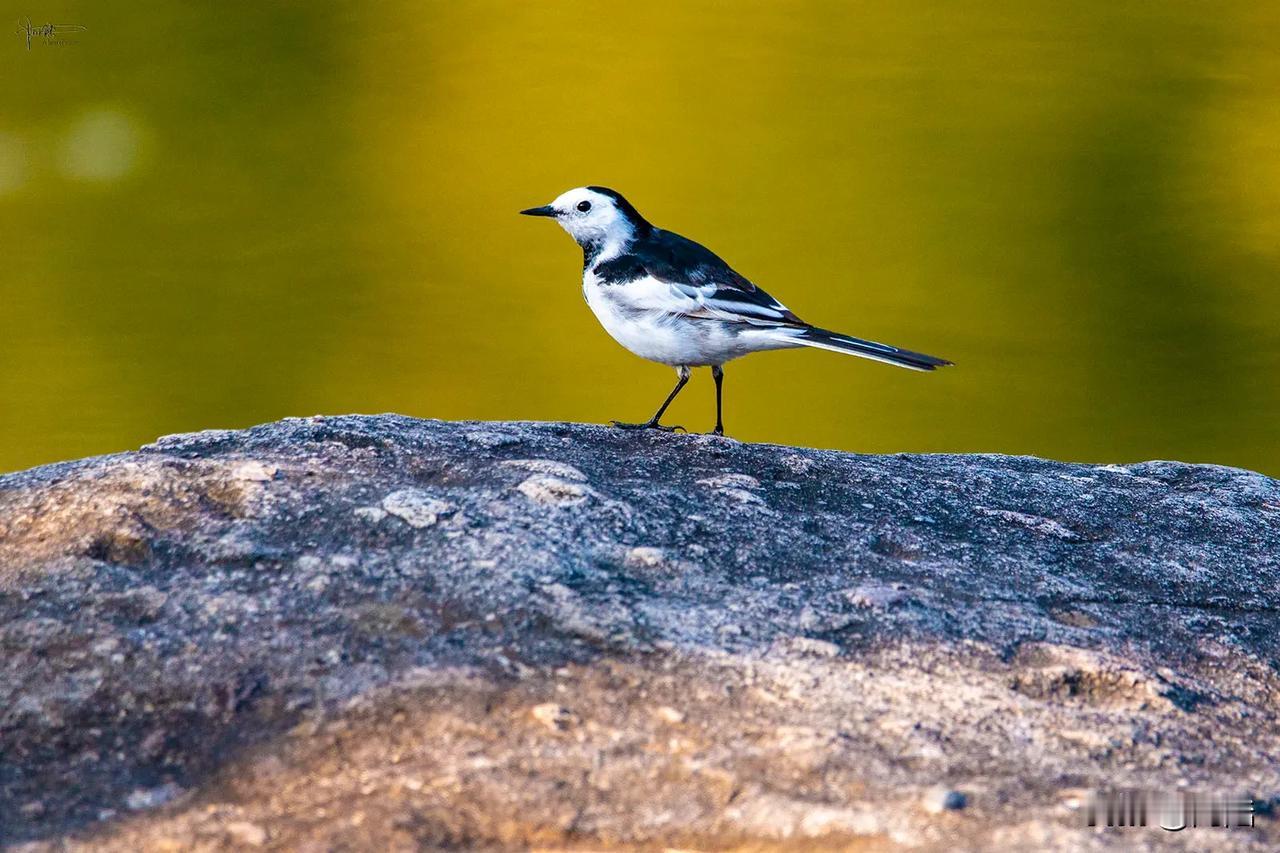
(648, 425)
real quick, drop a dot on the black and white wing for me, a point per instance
(687, 278)
(667, 274)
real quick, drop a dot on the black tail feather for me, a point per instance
(826, 339)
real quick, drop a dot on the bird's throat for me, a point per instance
(604, 248)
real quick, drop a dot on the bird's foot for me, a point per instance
(717, 431)
(648, 425)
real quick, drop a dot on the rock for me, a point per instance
(941, 799)
(491, 439)
(562, 470)
(553, 716)
(645, 557)
(554, 491)
(730, 481)
(386, 633)
(414, 506)
(668, 715)
(150, 798)
(371, 514)
(737, 486)
(254, 471)
(1045, 526)
(810, 647)
(244, 832)
(876, 595)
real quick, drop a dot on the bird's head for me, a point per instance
(601, 220)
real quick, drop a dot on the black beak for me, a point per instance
(545, 210)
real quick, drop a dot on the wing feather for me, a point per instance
(715, 289)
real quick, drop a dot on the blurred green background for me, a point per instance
(221, 214)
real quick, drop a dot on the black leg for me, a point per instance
(652, 423)
(717, 373)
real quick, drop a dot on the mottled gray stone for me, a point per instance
(380, 632)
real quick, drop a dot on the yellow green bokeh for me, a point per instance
(221, 214)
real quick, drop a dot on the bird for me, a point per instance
(673, 301)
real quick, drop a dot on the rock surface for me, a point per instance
(386, 633)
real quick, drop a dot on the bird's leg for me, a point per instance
(652, 423)
(717, 373)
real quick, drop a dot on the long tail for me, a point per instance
(812, 336)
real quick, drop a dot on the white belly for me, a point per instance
(644, 317)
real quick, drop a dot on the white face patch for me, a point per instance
(593, 219)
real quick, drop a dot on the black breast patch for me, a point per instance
(620, 270)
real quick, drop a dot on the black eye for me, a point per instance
(584, 206)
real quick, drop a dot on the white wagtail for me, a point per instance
(673, 301)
